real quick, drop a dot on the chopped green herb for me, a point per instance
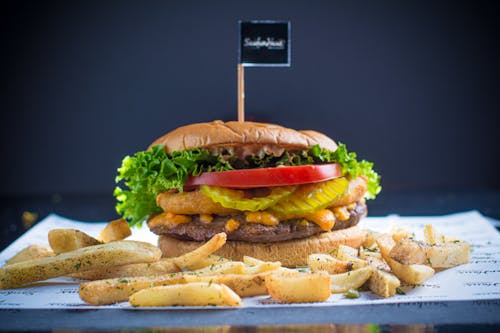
(123, 280)
(212, 267)
(352, 293)
(400, 291)
(78, 265)
(210, 283)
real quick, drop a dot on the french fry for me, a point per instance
(370, 239)
(115, 230)
(189, 294)
(163, 266)
(448, 254)
(412, 274)
(399, 233)
(261, 268)
(245, 285)
(443, 255)
(383, 283)
(255, 266)
(372, 252)
(110, 291)
(230, 267)
(431, 236)
(252, 261)
(192, 258)
(66, 240)
(168, 265)
(378, 263)
(408, 251)
(212, 259)
(341, 283)
(346, 252)
(304, 287)
(325, 262)
(87, 258)
(31, 252)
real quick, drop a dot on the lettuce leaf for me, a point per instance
(148, 173)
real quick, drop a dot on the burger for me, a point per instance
(279, 194)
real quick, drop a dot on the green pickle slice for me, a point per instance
(230, 198)
(312, 197)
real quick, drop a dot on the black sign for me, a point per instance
(264, 43)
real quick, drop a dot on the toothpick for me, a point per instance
(241, 93)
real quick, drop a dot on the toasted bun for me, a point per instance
(291, 253)
(233, 133)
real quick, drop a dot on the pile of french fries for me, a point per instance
(121, 270)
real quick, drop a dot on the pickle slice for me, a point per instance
(230, 198)
(312, 197)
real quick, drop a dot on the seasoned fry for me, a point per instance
(163, 266)
(261, 268)
(408, 251)
(115, 230)
(383, 283)
(341, 283)
(189, 294)
(31, 252)
(88, 258)
(252, 261)
(412, 274)
(443, 255)
(370, 239)
(167, 265)
(245, 285)
(433, 237)
(110, 291)
(325, 262)
(192, 258)
(66, 240)
(448, 254)
(400, 233)
(304, 287)
(209, 260)
(373, 252)
(230, 267)
(377, 263)
(346, 252)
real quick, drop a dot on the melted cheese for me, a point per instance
(206, 218)
(168, 219)
(231, 225)
(324, 218)
(341, 213)
(264, 218)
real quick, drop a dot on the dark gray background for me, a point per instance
(410, 85)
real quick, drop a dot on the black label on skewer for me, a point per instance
(264, 43)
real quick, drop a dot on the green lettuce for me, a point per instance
(146, 174)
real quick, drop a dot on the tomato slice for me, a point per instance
(265, 177)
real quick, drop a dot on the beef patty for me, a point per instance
(254, 232)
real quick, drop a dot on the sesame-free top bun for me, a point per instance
(291, 253)
(233, 133)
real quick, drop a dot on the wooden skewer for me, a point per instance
(241, 93)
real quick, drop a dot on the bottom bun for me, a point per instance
(292, 253)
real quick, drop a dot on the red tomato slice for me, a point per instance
(265, 177)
